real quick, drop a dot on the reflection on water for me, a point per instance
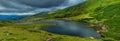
(68, 28)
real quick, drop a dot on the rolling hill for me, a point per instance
(102, 15)
(97, 12)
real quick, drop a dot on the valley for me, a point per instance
(100, 15)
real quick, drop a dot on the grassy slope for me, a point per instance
(106, 13)
(92, 11)
(25, 32)
(3, 23)
(112, 16)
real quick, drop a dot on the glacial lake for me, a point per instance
(67, 28)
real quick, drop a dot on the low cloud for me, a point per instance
(26, 7)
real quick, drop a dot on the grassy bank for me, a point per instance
(28, 32)
(103, 15)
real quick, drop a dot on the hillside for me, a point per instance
(88, 7)
(105, 12)
(4, 23)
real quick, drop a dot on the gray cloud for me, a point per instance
(34, 6)
(42, 3)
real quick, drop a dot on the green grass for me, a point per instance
(104, 12)
(112, 14)
(25, 33)
(96, 12)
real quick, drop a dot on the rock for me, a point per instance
(50, 39)
(104, 28)
(92, 38)
(98, 31)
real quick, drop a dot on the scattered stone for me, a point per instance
(50, 39)
(8, 34)
(98, 31)
(104, 28)
(92, 38)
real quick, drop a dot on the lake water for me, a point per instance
(68, 28)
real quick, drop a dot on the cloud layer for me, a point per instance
(28, 7)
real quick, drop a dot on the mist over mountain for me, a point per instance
(28, 7)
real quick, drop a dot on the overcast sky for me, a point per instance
(27, 7)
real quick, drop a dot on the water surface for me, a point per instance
(68, 28)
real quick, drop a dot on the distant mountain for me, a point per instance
(11, 17)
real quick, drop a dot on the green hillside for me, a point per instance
(97, 12)
(104, 15)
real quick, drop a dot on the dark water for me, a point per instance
(11, 17)
(68, 28)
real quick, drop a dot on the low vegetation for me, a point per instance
(29, 32)
(103, 15)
